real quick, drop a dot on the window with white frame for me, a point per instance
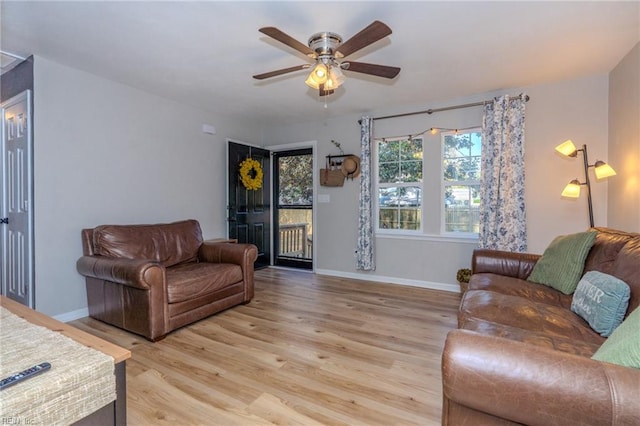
(399, 184)
(461, 181)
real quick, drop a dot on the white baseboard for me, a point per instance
(73, 315)
(453, 288)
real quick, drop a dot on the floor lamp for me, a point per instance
(601, 169)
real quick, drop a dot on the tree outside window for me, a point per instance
(296, 180)
(461, 181)
(400, 183)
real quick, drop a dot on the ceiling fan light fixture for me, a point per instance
(318, 76)
(324, 48)
(336, 78)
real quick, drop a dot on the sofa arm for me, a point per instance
(535, 385)
(244, 255)
(130, 272)
(240, 254)
(510, 264)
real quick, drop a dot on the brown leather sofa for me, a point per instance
(521, 356)
(153, 279)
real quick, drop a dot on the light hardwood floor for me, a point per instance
(307, 350)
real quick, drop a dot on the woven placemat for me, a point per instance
(81, 380)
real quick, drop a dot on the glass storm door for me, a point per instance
(293, 195)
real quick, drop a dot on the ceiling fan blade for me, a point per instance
(374, 32)
(280, 72)
(373, 69)
(323, 92)
(276, 34)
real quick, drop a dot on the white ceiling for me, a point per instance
(205, 53)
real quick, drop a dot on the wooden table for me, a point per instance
(114, 413)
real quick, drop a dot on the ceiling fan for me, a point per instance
(327, 51)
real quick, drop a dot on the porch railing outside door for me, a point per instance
(295, 240)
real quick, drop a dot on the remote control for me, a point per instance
(23, 375)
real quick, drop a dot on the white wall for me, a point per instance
(108, 153)
(575, 109)
(624, 142)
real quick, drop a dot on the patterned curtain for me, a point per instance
(502, 211)
(366, 257)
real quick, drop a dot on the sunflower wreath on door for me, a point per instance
(251, 174)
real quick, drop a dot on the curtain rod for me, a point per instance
(431, 111)
(20, 58)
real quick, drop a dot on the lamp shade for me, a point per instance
(572, 190)
(603, 170)
(318, 76)
(567, 148)
(335, 78)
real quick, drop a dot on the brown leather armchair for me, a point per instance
(153, 279)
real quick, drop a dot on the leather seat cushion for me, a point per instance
(192, 280)
(533, 292)
(524, 314)
(558, 343)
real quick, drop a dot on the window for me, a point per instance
(443, 167)
(461, 181)
(399, 180)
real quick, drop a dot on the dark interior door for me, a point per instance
(249, 216)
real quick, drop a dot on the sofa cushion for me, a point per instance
(601, 300)
(605, 249)
(169, 244)
(562, 263)
(623, 346)
(559, 343)
(626, 268)
(516, 287)
(521, 313)
(192, 280)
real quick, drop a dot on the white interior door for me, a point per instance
(16, 211)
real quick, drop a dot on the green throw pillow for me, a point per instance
(623, 346)
(562, 262)
(601, 300)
